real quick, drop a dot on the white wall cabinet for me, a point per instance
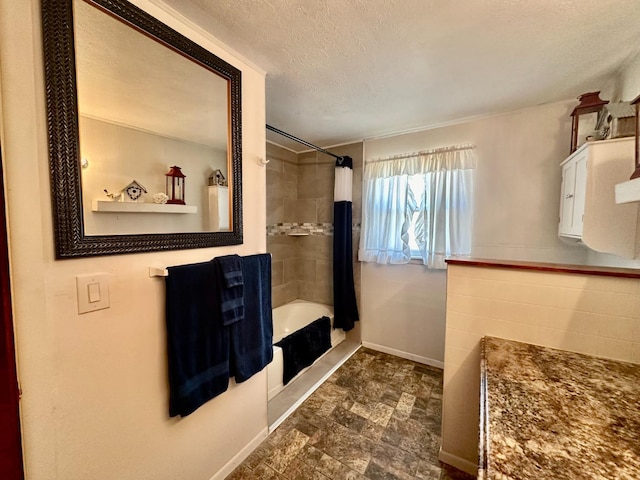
(574, 189)
(588, 210)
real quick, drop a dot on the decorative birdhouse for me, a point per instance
(617, 120)
(585, 118)
(217, 178)
(175, 180)
(134, 191)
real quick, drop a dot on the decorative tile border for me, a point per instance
(300, 228)
(323, 229)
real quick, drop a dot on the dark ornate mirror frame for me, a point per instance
(64, 151)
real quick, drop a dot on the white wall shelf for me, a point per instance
(134, 207)
(628, 191)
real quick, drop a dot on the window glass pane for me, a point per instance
(416, 185)
(413, 244)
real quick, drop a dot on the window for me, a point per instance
(418, 206)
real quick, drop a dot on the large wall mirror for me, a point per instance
(128, 100)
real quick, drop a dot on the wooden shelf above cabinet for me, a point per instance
(134, 207)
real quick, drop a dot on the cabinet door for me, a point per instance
(567, 198)
(580, 193)
(572, 202)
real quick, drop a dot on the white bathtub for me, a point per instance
(287, 319)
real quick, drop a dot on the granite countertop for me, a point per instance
(552, 414)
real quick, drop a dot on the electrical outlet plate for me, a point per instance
(93, 292)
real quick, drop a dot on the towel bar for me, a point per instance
(163, 272)
(158, 272)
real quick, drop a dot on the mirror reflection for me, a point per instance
(143, 109)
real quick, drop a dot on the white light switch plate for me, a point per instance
(93, 292)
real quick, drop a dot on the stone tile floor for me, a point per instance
(377, 418)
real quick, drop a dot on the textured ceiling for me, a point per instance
(128, 79)
(344, 70)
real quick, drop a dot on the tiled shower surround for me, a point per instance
(300, 201)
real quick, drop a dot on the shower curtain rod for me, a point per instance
(303, 142)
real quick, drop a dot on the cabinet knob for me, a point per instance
(570, 195)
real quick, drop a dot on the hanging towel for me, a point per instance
(304, 346)
(197, 342)
(251, 339)
(231, 289)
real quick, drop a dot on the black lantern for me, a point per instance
(636, 104)
(175, 185)
(586, 112)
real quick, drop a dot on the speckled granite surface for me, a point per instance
(552, 414)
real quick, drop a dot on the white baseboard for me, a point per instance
(240, 456)
(460, 463)
(407, 355)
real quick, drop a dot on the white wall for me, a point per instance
(630, 79)
(94, 402)
(629, 86)
(517, 193)
(118, 154)
(403, 310)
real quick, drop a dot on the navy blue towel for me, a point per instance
(345, 307)
(197, 342)
(231, 288)
(304, 346)
(252, 338)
